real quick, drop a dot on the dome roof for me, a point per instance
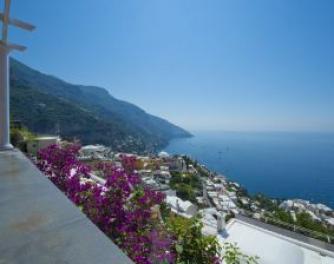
(163, 154)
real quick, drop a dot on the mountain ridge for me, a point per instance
(133, 128)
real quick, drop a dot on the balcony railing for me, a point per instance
(307, 236)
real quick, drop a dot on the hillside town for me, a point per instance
(224, 208)
(214, 196)
(192, 189)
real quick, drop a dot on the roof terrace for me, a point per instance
(275, 245)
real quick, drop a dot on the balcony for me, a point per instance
(38, 224)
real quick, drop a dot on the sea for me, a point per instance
(278, 164)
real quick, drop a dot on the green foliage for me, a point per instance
(202, 172)
(165, 211)
(283, 216)
(233, 255)
(186, 185)
(192, 246)
(185, 192)
(242, 192)
(19, 137)
(187, 160)
(266, 203)
(229, 216)
(305, 220)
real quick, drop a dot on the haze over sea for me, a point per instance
(278, 164)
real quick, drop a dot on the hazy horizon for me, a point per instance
(218, 65)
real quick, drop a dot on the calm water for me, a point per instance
(286, 165)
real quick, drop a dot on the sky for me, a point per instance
(202, 64)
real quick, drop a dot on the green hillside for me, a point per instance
(46, 104)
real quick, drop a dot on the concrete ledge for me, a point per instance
(39, 225)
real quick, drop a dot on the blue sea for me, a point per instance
(278, 164)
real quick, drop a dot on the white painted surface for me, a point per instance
(5, 48)
(272, 248)
(181, 207)
(4, 99)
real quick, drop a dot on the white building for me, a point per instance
(191, 169)
(313, 216)
(164, 168)
(244, 201)
(219, 186)
(181, 207)
(38, 143)
(163, 155)
(232, 195)
(170, 192)
(286, 205)
(162, 176)
(303, 205)
(157, 186)
(93, 152)
(212, 194)
(200, 200)
(145, 173)
(324, 208)
(228, 205)
(224, 197)
(149, 181)
(217, 203)
(213, 221)
(177, 164)
(274, 245)
(237, 185)
(330, 221)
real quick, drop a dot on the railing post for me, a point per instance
(4, 99)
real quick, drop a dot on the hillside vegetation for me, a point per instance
(46, 104)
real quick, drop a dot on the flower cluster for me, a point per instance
(122, 208)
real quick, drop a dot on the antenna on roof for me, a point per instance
(58, 129)
(5, 49)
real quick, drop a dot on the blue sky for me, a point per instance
(202, 64)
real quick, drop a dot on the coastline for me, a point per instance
(258, 173)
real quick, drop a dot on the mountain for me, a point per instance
(46, 104)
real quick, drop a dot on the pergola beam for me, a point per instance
(5, 21)
(13, 46)
(17, 23)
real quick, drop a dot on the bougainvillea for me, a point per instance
(122, 208)
(127, 211)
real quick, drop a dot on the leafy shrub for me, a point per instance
(191, 245)
(233, 255)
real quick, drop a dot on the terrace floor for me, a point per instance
(38, 224)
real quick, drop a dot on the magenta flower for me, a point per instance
(122, 208)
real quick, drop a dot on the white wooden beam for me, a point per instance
(18, 23)
(5, 21)
(12, 46)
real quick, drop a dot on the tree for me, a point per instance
(191, 245)
(233, 255)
